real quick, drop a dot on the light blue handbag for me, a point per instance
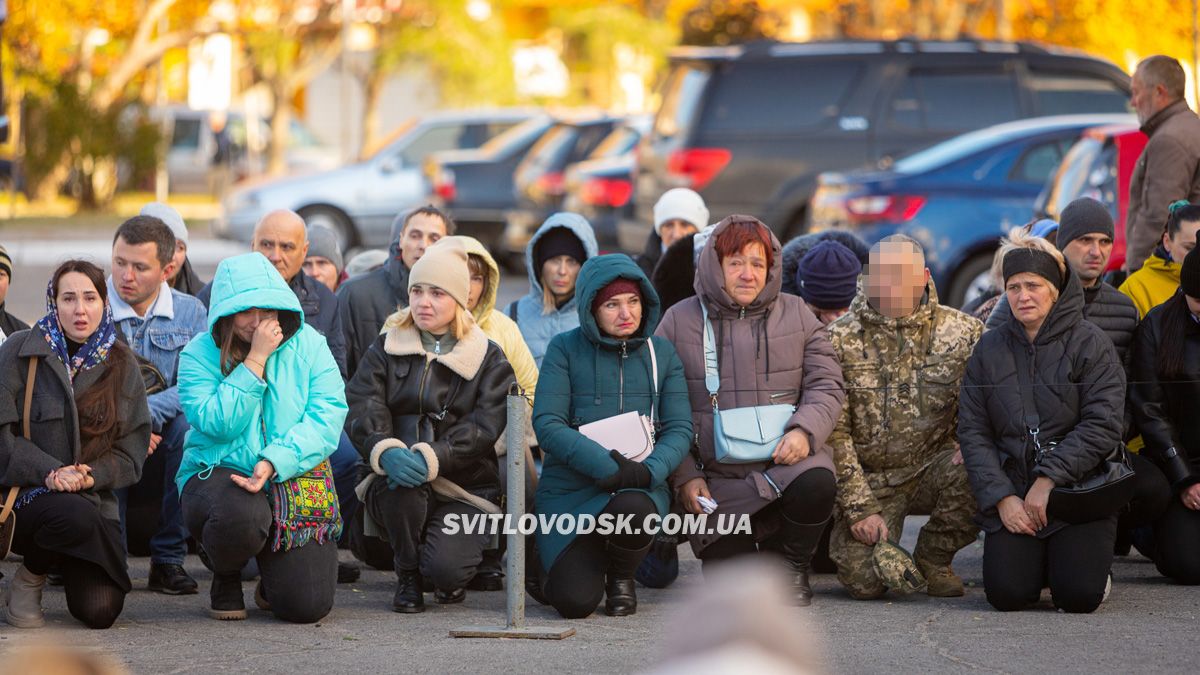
(741, 435)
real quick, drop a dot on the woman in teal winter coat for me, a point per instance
(601, 369)
(266, 403)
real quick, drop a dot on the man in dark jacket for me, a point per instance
(368, 300)
(1169, 168)
(281, 237)
(1085, 237)
(8, 323)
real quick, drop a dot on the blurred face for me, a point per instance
(1146, 100)
(1030, 296)
(3, 285)
(177, 260)
(137, 274)
(80, 306)
(620, 316)
(432, 308)
(1177, 246)
(673, 230)
(323, 270)
(421, 232)
(559, 274)
(1088, 256)
(477, 285)
(896, 279)
(281, 237)
(245, 322)
(745, 273)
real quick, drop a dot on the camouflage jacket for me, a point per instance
(902, 378)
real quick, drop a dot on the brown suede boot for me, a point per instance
(942, 581)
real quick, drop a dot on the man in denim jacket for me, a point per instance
(157, 322)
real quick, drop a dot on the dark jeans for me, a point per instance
(575, 582)
(413, 519)
(807, 500)
(1177, 543)
(66, 530)
(233, 526)
(1074, 562)
(344, 462)
(169, 543)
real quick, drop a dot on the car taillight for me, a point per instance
(443, 185)
(550, 184)
(610, 192)
(876, 208)
(698, 166)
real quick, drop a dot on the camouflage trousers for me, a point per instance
(940, 491)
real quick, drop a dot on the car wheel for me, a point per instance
(973, 279)
(333, 219)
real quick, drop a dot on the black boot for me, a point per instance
(797, 543)
(619, 587)
(533, 572)
(489, 576)
(226, 597)
(409, 598)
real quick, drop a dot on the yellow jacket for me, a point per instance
(1153, 284)
(498, 327)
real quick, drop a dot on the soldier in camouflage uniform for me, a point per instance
(902, 356)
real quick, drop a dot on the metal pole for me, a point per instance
(518, 408)
(516, 504)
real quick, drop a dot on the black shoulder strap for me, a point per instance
(512, 310)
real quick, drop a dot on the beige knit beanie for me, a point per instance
(444, 265)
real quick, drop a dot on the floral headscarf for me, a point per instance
(93, 352)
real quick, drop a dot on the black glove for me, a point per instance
(629, 474)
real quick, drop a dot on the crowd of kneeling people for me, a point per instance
(818, 389)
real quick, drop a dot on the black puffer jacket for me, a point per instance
(366, 302)
(1165, 410)
(453, 405)
(1111, 310)
(1079, 389)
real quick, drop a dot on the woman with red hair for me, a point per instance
(766, 349)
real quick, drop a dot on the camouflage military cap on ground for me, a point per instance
(896, 568)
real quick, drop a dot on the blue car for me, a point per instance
(957, 197)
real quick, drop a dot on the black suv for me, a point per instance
(750, 127)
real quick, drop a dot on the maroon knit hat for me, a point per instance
(616, 287)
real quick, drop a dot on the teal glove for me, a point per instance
(404, 468)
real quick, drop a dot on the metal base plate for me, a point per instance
(528, 632)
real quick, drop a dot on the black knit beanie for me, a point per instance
(1083, 216)
(555, 242)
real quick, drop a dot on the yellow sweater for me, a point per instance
(1152, 285)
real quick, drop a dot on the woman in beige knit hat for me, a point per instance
(427, 404)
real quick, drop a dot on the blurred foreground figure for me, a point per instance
(740, 620)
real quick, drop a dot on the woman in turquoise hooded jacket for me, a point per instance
(601, 369)
(266, 403)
